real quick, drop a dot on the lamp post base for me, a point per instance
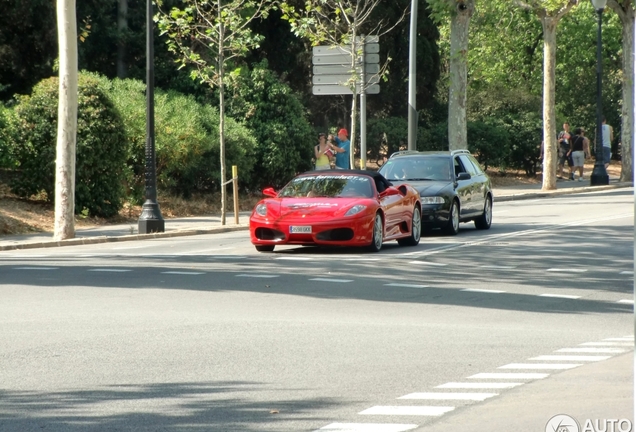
(150, 220)
(599, 176)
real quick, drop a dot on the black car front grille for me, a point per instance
(338, 234)
(269, 234)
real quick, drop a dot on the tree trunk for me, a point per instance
(66, 122)
(625, 11)
(549, 117)
(122, 27)
(222, 116)
(458, 74)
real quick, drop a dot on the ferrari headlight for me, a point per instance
(432, 200)
(355, 210)
(261, 209)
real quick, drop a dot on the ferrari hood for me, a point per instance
(313, 207)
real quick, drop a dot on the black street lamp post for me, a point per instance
(150, 219)
(599, 175)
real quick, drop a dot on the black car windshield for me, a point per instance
(433, 168)
(330, 186)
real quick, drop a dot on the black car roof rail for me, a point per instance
(415, 152)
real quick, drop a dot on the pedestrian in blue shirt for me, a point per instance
(342, 149)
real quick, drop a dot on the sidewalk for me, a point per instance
(212, 224)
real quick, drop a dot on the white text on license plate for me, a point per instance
(300, 229)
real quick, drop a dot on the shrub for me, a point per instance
(186, 141)
(6, 154)
(276, 117)
(100, 150)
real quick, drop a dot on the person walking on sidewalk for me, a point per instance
(579, 150)
(563, 139)
(607, 135)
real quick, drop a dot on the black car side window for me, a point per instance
(478, 168)
(470, 168)
(459, 168)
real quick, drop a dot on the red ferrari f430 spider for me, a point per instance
(337, 208)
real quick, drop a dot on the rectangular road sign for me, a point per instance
(342, 80)
(337, 59)
(331, 50)
(372, 48)
(372, 58)
(341, 90)
(373, 68)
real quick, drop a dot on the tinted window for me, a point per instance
(459, 167)
(417, 168)
(468, 165)
(476, 164)
(331, 186)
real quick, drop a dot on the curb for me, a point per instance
(559, 192)
(108, 239)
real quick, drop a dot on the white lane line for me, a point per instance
(182, 273)
(498, 267)
(465, 385)
(28, 256)
(450, 396)
(257, 275)
(406, 285)
(627, 272)
(621, 339)
(593, 350)
(570, 358)
(511, 375)
(294, 258)
(36, 268)
(332, 280)
(428, 263)
(566, 270)
(627, 344)
(109, 270)
(368, 427)
(483, 291)
(362, 259)
(626, 301)
(565, 296)
(407, 410)
(227, 257)
(540, 366)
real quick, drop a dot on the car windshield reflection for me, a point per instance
(417, 169)
(328, 186)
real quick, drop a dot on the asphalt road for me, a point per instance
(205, 333)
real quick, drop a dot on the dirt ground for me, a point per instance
(19, 216)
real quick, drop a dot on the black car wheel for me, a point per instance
(452, 228)
(264, 248)
(416, 229)
(483, 222)
(378, 234)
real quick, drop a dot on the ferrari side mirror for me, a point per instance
(270, 192)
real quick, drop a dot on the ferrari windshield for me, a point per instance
(433, 168)
(329, 186)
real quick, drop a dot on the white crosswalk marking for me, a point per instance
(109, 270)
(608, 344)
(566, 270)
(483, 291)
(570, 358)
(406, 285)
(593, 350)
(511, 375)
(540, 366)
(266, 276)
(450, 396)
(182, 273)
(565, 296)
(368, 427)
(428, 263)
(465, 385)
(36, 268)
(331, 280)
(408, 410)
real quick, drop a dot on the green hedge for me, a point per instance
(100, 151)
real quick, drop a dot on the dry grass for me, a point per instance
(18, 216)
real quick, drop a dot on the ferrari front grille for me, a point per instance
(338, 234)
(269, 234)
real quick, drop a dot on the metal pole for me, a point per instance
(363, 110)
(412, 134)
(599, 174)
(150, 219)
(235, 193)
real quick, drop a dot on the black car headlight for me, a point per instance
(432, 200)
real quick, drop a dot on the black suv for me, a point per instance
(452, 184)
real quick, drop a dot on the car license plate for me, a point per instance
(300, 229)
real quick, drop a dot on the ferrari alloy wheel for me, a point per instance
(452, 228)
(483, 222)
(378, 234)
(416, 230)
(264, 248)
